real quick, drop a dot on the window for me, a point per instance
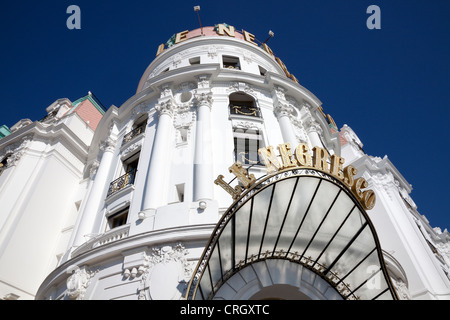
(242, 104)
(118, 219)
(138, 128)
(231, 62)
(262, 71)
(130, 168)
(246, 145)
(195, 60)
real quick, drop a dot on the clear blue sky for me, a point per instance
(391, 86)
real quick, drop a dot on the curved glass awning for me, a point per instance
(303, 215)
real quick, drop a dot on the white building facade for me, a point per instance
(223, 178)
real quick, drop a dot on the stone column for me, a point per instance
(203, 161)
(155, 193)
(97, 193)
(283, 112)
(312, 128)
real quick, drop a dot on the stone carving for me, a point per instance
(164, 274)
(166, 107)
(78, 283)
(402, 289)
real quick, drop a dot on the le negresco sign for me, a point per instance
(301, 157)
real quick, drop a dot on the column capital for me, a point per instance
(108, 145)
(283, 109)
(203, 98)
(166, 107)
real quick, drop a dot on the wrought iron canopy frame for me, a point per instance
(305, 216)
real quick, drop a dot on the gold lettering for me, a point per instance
(222, 30)
(359, 184)
(286, 155)
(242, 175)
(369, 199)
(321, 111)
(336, 166)
(249, 37)
(269, 159)
(160, 49)
(294, 78)
(181, 36)
(268, 50)
(234, 192)
(320, 159)
(283, 67)
(349, 172)
(331, 121)
(302, 155)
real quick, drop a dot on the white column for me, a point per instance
(96, 194)
(283, 111)
(314, 131)
(155, 193)
(203, 162)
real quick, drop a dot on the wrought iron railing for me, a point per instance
(121, 182)
(134, 133)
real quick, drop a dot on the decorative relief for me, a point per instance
(203, 81)
(402, 289)
(166, 107)
(15, 151)
(78, 283)
(164, 273)
(212, 52)
(108, 145)
(203, 98)
(240, 86)
(130, 149)
(282, 109)
(93, 169)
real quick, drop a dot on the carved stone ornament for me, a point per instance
(282, 109)
(402, 289)
(108, 145)
(166, 107)
(15, 151)
(78, 283)
(164, 274)
(94, 167)
(203, 98)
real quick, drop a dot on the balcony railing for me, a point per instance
(134, 133)
(121, 182)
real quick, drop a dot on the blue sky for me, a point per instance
(391, 86)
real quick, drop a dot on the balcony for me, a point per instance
(102, 239)
(122, 182)
(134, 133)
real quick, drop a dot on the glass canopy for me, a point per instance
(307, 217)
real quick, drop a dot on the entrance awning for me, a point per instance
(305, 216)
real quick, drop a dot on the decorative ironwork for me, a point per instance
(134, 133)
(121, 182)
(244, 110)
(334, 238)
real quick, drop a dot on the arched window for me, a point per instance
(241, 104)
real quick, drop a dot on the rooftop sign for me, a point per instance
(223, 29)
